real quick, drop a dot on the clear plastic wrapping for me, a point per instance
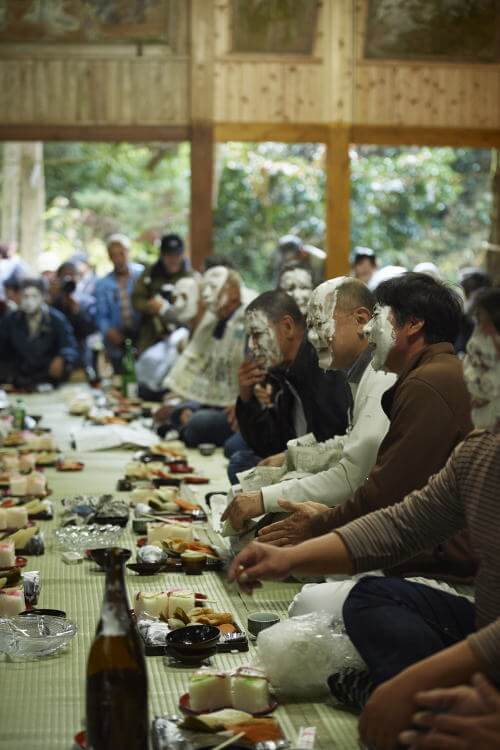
(299, 654)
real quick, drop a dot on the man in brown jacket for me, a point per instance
(415, 321)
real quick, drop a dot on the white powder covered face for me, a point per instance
(482, 377)
(381, 336)
(185, 296)
(31, 300)
(212, 284)
(297, 282)
(320, 322)
(262, 338)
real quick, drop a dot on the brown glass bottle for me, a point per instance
(117, 695)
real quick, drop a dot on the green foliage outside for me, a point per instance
(409, 204)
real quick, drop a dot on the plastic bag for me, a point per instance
(299, 654)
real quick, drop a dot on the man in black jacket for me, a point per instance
(304, 397)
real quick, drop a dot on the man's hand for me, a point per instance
(243, 507)
(464, 718)
(296, 527)
(264, 394)
(389, 710)
(155, 305)
(114, 336)
(250, 373)
(70, 304)
(259, 562)
(56, 368)
(277, 460)
(231, 417)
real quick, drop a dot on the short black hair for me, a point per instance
(420, 296)
(363, 253)
(65, 268)
(276, 304)
(488, 300)
(217, 260)
(38, 283)
(474, 280)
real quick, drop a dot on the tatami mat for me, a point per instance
(42, 702)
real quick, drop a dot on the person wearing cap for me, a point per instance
(363, 263)
(291, 250)
(116, 318)
(152, 294)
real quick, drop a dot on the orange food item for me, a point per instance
(185, 504)
(259, 730)
(227, 628)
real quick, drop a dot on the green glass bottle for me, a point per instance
(19, 415)
(129, 378)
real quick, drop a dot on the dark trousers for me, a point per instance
(240, 455)
(207, 425)
(394, 623)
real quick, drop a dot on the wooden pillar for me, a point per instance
(202, 131)
(338, 181)
(11, 193)
(32, 202)
(493, 250)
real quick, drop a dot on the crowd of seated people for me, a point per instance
(365, 410)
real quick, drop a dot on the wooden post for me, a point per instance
(202, 130)
(338, 182)
(493, 250)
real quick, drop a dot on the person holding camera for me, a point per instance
(79, 309)
(152, 295)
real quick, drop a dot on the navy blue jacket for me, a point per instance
(26, 359)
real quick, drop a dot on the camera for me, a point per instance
(68, 285)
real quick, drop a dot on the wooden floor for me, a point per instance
(42, 702)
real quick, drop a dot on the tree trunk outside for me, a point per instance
(11, 193)
(493, 252)
(32, 202)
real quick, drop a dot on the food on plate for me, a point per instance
(159, 532)
(185, 504)
(38, 506)
(46, 458)
(14, 438)
(11, 602)
(27, 462)
(207, 616)
(67, 465)
(179, 546)
(46, 442)
(22, 536)
(164, 604)
(209, 690)
(172, 449)
(250, 690)
(7, 554)
(254, 729)
(245, 689)
(30, 484)
(16, 517)
(138, 470)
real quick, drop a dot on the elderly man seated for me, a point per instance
(413, 637)
(204, 380)
(36, 341)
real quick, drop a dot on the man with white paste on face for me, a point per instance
(297, 282)
(36, 341)
(154, 364)
(307, 398)
(339, 309)
(207, 371)
(414, 638)
(428, 407)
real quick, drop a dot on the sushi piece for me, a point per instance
(37, 484)
(250, 690)
(209, 690)
(18, 485)
(16, 517)
(11, 602)
(7, 555)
